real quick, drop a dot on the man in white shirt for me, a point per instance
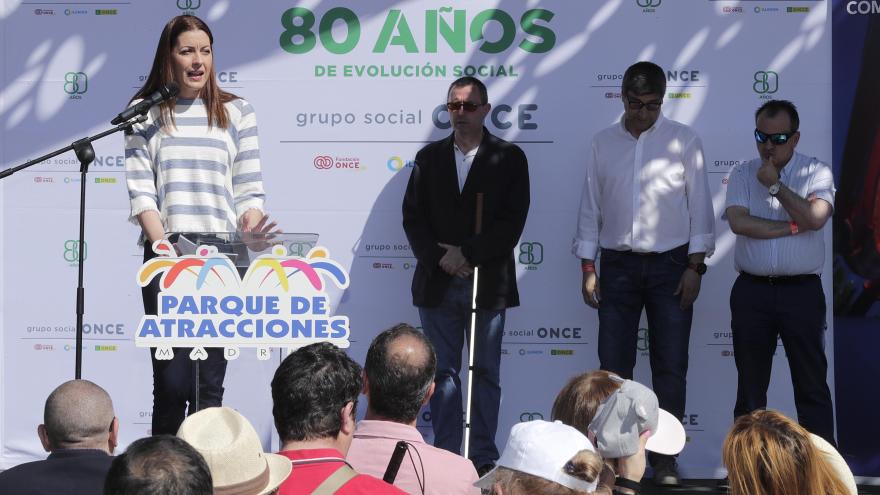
(778, 205)
(646, 209)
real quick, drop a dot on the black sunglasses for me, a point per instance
(454, 106)
(779, 138)
(636, 104)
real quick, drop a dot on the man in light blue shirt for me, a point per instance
(778, 205)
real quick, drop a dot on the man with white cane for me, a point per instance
(440, 211)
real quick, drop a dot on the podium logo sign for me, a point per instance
(204, 302)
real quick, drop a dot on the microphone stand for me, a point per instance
(85, 153)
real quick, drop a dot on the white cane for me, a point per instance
(467, 416)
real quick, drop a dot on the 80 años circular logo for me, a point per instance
(189, 4)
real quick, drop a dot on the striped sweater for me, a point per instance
(199, 179)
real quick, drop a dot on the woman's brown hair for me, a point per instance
(162, 72)
(767, 453)
(576, 403)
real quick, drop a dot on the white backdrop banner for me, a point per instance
(345, 94)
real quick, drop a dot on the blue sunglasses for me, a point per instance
(780, 138)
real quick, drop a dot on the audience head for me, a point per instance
(314, 395)
(399, 372)
(767, 453)
(615, 413)
(577, 402)
(159, 465)
(547, 458)
(233, 452)
(79, 415)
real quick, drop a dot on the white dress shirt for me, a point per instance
(649, 194)
(799, 254)
(463, 162)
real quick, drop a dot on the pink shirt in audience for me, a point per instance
(445, 473)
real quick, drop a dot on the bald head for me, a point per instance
(78, 414)
(400, 369)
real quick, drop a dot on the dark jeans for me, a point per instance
(447, 326)
(630, 282)
(174, 381)
(761, 312)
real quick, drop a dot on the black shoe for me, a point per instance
(724, 485)
(666, 474)
(485, 468)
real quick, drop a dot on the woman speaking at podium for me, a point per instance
(192, 166)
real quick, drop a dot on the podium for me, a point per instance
(201, 250)
(243, 247)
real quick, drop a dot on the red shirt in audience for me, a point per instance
(306, 476)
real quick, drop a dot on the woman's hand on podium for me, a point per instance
(257, 237)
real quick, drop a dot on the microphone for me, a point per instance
(394, 463)
(164, 92)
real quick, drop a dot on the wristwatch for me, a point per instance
(774, 189)
(700, 268)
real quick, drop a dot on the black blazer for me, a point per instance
(68, 471)
(435, 211)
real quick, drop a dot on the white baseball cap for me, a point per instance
(542, 449)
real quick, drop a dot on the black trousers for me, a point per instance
(174, 381)
(792, 309)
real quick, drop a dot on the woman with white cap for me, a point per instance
(546, 458)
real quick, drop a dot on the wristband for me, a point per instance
(628, 483)
(588, 268)
(794, 227)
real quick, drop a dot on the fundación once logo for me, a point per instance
(71, 250)
(76, 83)
(765, 82)
(323, 162)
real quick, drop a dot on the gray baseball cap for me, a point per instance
(626, 414)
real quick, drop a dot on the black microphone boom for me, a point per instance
(164, 92)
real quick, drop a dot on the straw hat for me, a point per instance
(233, 451)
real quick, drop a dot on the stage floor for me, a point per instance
(703, 487)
